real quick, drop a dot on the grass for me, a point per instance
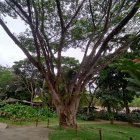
(52, 121)
(91, 132)
(86, 130)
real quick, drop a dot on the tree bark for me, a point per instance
(110, 115)
(127, 110)
(66, 117)
(67, 113)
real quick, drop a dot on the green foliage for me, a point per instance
(102, 114)
(121, 116)
(23, 112)
(18, 111)
(88, 25)
(7, 79)
(86, 113)
(135, 102)
(135, 114)
(113, 91)
(81, 28)
(133, 68)
(70, 67)
(28, 42)
(5, 76)
(110, 99)
(28, 79)
(50, 5)
(114, 80)
(110, 83)
(118, 116)
(47, 112)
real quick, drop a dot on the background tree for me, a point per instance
(5, 75)
(6, 78)
(54, 26)
(29, 77)
(113, 91)
(11, 86)
(132, 67)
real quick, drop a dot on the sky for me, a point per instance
(9, 51)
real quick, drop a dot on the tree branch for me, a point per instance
(102, 34)
(92, 16)
(115, 31)
(17, 12)
(18, 43)
(20, 8)
(92, 60)
(75, 14)
(110, 58)
(60, 15)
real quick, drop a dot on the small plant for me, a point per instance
(19, 112)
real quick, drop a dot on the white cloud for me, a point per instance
(76, 53)
(9, 52)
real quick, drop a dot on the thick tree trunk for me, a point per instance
(67, 117)
(67, 113)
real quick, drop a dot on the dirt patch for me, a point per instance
(24, 133)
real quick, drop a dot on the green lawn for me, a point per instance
(52, 121)
(86, 130)
(91, 132)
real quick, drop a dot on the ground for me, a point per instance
(24, 133)
(15, 132)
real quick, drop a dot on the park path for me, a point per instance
(24, 133)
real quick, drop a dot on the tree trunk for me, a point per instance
(110, 115)
(66, 117)
(127, 108)
(32, 96)
(128, 112)
(67, 113)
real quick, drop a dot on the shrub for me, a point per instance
(86, 113)
(24, 112)
(47, 112)
(102, 114)
(18, 111)
(135, 114)
(120, 116)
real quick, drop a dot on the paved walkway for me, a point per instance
(3, 125)
(24, 133)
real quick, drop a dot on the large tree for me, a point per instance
(113, 91)
(29, 77)
(53, 26)
(6, 78)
